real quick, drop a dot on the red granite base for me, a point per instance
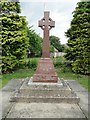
(45, 71)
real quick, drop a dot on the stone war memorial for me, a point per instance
(45, 71)
(44, 94)
(45, 86)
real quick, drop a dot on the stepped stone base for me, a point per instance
(44, 92)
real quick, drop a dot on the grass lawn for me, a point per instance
(22, 73)
(66, 73)
(82, 79)
(62, 71)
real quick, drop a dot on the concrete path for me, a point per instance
(82, 93)
(43, 110)
(84, 103)
(6, 93)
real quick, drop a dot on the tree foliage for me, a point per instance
(35, 42)
(8, 7)
(79, 38)
(14, 36)
(55, 42)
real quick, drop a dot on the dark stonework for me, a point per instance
(45, 71)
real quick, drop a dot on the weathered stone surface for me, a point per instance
(45, 93)
(0, 105)
(13, 85)
(45, 110)
(82, 93)
(76, 87)
(6, 105)
(5, 94)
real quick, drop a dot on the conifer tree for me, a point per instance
(14, 36)
(79, 38)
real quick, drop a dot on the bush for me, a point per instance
(32, 63)
(64, 65)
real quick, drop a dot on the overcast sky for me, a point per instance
(60, 12)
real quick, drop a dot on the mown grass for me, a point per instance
(64, 71)
(22, 73)
(69, 75)
(62, 68)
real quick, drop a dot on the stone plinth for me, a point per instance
(45, 93)
(45, 71)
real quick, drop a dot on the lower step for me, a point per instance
(41, 99)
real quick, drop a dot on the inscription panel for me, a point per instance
(45, 72)
(47, 77)
(45, 67)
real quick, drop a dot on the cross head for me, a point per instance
(46, 23)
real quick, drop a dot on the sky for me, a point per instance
(60, 12)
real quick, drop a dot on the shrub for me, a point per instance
(32, 63)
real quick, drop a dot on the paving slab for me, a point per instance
(83, 102)
(76, 86)
(45, 110)
(13, 85)
(0, 105)
(82, 93)
(5, 94)
(6, 105)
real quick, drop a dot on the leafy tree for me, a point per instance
(79, 38)
(64, 47)
(14, 36)
(52, 49)
(55, 42)
(35, 42)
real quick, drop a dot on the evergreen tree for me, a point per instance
(79, 38)
(8, 7)
(14, 36)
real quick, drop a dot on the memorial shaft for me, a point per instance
(46, 44)
(46, 23)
